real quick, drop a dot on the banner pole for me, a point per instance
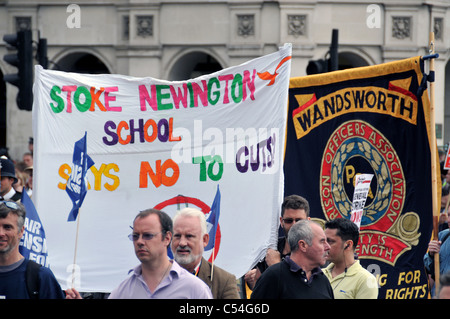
(436, 206)
(75, 252)
(212, 263)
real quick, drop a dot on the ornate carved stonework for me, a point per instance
(23, 23)
(144, 25)
(296, 25)
(246, 25)
(438, 28)
(401, 27)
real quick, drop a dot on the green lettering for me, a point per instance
(160, 96)
(59, 107)
(216, 94)
(82, 107)
(237, 82)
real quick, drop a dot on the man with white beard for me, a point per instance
(189, 240)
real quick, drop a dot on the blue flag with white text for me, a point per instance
(77, 183)
(33, 244)
(213, 220)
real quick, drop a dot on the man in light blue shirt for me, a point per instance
(157, 277)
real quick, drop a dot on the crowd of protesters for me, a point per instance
(311, 261)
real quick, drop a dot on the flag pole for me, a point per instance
(75, 252)
(212, 263)
(215, 207)
(436, 206)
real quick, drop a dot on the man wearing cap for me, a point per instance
(8, 178)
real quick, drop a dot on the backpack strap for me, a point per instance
(32, 279)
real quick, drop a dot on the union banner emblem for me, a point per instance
(375, 121)
(356, 147)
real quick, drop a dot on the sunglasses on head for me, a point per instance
(10, 205)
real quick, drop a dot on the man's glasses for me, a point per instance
(10, 205)
(145, 236)
(291, 220)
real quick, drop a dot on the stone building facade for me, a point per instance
(180, 39)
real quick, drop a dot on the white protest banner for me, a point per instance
(166, 145)
(362, 188)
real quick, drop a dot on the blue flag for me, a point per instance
(77, 183)
(213, 220)
(33, 244)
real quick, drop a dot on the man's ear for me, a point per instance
(168, 238)
(348, 244)
(302, 245)
(205, 240)
(22, 231)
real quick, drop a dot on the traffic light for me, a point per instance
(317, 66)
(42, 53)
(328, 65)
(23, 60)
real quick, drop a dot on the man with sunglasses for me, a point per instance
(157, 277)
(293, 209)
(13, 266)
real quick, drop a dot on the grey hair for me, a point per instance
(18, 210)
(192, 212)
(301, 230)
